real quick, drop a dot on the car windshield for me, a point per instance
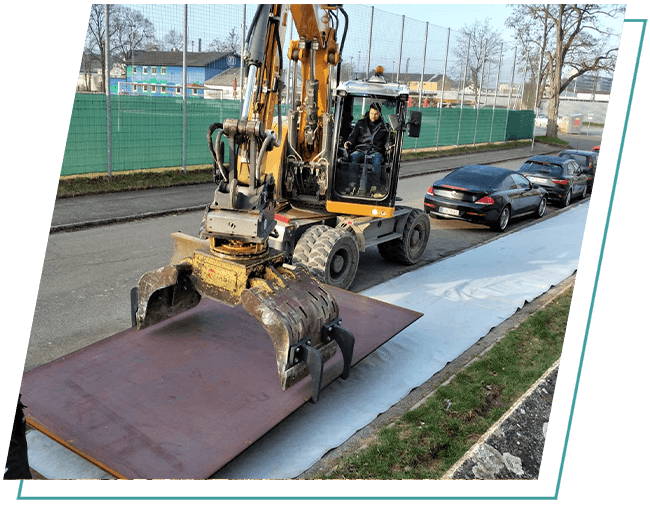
(580, 158)
(539, 167)
(472, 178)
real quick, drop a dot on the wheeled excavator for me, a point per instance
(290, 212)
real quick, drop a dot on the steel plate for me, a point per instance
(180, 399)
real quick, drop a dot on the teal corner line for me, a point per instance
(603, 244)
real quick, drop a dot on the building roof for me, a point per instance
(175, 58)
(225, 78)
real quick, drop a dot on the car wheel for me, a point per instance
(567, 198)
(504, 219)
(541, 208)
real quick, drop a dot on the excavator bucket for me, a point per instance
(302, 320)
(167, 291)
(300, 316)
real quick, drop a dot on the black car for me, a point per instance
(486, 195)
(588, 161)
(562, 178)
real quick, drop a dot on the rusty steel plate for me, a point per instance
(181, 398)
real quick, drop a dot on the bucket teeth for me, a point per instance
(293, 308)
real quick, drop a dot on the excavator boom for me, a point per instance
(232, 262)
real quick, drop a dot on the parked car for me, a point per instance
(486, 195)
(562, 178)
(541, 121)
(588, 161)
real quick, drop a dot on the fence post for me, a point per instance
(496, 89)
(401, 42)
(462, 96)
(478, 101)
(442, 95)
(372, 17)
(424, 58)
(107, 89)
(539, 76)
(512, 80)
(241, 59)
(185, 89)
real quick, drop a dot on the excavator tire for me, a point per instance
(409, 249)
(306, 243)
(334, 258)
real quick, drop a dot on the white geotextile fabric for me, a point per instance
(462, 298)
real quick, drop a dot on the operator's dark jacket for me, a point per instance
(368, 137)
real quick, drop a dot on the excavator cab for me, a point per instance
(358, 187)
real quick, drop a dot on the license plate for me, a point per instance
(537, 180)
(451, 212)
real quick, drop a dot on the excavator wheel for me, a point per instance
(334, 258)
(306, 243)
(409, 249)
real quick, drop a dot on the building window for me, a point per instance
(134, 69)
(163, 89)
(163, 70)
(154, 70)
(195, 91)
(145, 88)
(135, 88)
(178, 90)
(145, 70)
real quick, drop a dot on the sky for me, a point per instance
(456, 15)
(449, 15)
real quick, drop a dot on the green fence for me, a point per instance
(148, 133)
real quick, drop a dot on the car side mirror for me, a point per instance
(414, 123)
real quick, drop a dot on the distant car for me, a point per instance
(541, 121)
(562, 178)
(588, 161)
(486, 195)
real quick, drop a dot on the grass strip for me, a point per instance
(426, 441)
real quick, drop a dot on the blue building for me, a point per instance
(160, 73)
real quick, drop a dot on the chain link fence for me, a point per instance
(161, 120)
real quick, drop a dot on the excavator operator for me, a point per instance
(368, 145)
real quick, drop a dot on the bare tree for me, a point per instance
(95, 47)
(232, 43)
(133, 32)
(483, 44)
(173, 41)
(129, 31)
(574, 42)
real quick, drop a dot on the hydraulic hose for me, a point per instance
(216, 155)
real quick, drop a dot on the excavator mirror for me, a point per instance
(394, 122)
(414, 123)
